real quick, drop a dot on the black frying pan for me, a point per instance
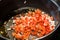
(50, 8)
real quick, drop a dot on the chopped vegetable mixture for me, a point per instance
(35, 23)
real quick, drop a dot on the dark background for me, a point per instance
(7, 7)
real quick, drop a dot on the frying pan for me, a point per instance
(24, 5)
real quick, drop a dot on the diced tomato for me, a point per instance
(33, 23)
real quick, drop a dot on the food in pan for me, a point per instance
(32, 24)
